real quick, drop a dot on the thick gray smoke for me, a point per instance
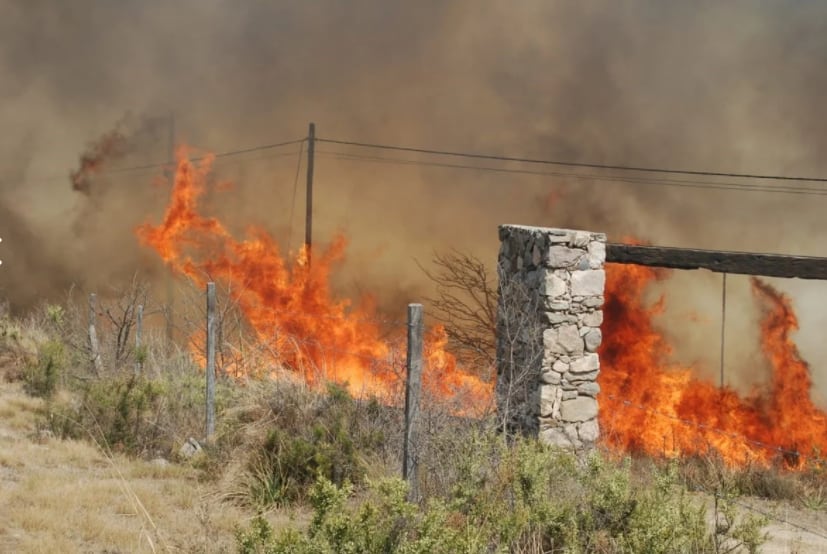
(733, 86)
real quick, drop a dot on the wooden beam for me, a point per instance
(744, 263)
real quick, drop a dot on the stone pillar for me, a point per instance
(548, 331)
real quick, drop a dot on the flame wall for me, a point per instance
(556, 353)
(712, 85)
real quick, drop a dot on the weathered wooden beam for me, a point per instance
(744, 263)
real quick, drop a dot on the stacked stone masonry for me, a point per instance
(548, 332)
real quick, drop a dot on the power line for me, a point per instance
(714, 185)
(569, 164)
(156, 165)
(218, 155)
(687, 183)
(258, 148)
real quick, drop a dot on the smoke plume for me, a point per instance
(730, 86)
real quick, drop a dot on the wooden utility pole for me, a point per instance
(308, 220)
(210, 369)
(170, 281)
(413, 386)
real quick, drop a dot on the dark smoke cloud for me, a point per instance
(733, 86)
(112, 146)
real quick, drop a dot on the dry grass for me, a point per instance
(68, 496)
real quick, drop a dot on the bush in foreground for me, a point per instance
(137, 414)
(527, 498)
(289, 435)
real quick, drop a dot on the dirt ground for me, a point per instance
(791, 529)
(66, 496)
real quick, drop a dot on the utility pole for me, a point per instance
(170, 281)
(308, 221)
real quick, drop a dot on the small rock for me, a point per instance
(550, 397)
(558, 236)
(590, 282)
(589, 431)
(553, 286)
(597, 254)
(189, 449)
(580, 239)
(563, 257)
(551, 377)
(582, 408)
(593, 339)
(580, 377)
(557, 305)
(564, 340)
(593, 319)
(593, 301)
(160, 462)
(556, 437)
(588, 388)
(556, 318)
(586, 364)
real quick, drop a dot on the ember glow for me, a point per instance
(649, 405)
(291, 306)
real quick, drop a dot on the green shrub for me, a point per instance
(524, 497)
(42, 375)
(329, 436)
(136, 414)
(119, 411)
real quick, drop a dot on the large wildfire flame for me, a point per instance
(291, 306)
(652, 406)
(647, 404)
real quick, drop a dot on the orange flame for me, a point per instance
(658, 408)
(648, 404)
(291, 307)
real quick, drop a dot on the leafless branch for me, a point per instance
(466, 302)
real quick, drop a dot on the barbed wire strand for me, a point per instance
(624, 402)
(819, 533)
(703, 426)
